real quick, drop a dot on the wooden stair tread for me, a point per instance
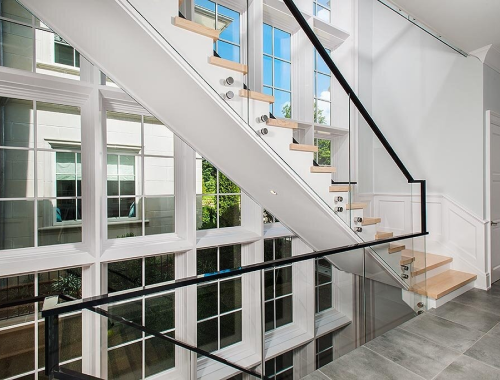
(393, 248)
(227, 64)
(370, 221)
(442, 284)
(282, 123)
(355, 206)
(196, 28)
(406, 260)
(303, 148)
(383, 235)
(425, 261)
(256, 96)
(339, 188)
(323, 169)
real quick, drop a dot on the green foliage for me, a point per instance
(324, 155)
(318, 114)
(70, 284)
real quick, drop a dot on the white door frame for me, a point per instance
(491, 118)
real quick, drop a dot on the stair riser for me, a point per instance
(432, 273)
(432, 303)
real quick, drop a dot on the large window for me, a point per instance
(219, 302)
(280, 367)
(64, 53)
(324, 350)
(22, 327)
(278, 70)
(216, 16)
(140, 176)
(278, 284)
(322, 88)
(218, 199)
(132, 352)
(34, 204)
(324, 285)
(323, 9)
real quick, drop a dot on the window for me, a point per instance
(278, 284)
(280, 367)
(278, 70)
(219, 302)
(324, 155)
(267, 217)
(216, 16)
(22, 327)
(140, 176)
(218, 200)
(32, 202)
(131, 351)
(322, 87)
(323, 9)
(324, 285)
(324, 350)
(64, 53)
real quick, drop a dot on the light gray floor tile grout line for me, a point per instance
(427, 339)
(487, 332)
(467, 327)
(477, 307)
(328, 377)
(383, 357)
(486, 364)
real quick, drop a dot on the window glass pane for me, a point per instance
(14, 289)
(124, 275)
(158, 139)
(268, 249)
(125, 363)
(206, 260)
(70, 339)
(282, 101)
(284, 311)
(16, 123)
(160, 269)
(64, 54)
(209, 178)
(230, 329)
(17, 173)
(226, 186)
(58, 126)
(228, 51)
(18, 356)
(13, 10)
(229, 210)
(324, 155)
(16, 222)
(283, 247)
(230, 257)
(127, 213)
(229, 22)
(208, 333)
(323, 87)
(322, 112)
(324, 358)
(324, 298)
(205, 13)
(160, 215)
(230, 295)
(268, 71)
(160, 355)
(282, 44)
(124, 131)
(323, 272)
(118, 333)
(324, 342)
(206, 212)
(65, 281)
(268, 39)
(323, 13)
(283, 281)
(17, 46)
(284, 361)
(269, 312)
(207, 301)
(321, 65)
(269, 284)
(160, 312)
(282, 75)
(54, 56)
(159, 176)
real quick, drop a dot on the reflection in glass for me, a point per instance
(17, 224)
(125, 363)
(17, 46)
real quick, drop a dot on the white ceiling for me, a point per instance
(468, 24)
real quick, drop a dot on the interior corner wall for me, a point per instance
(491, 90)
(428, 101)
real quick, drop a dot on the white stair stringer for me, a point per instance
(137, 58)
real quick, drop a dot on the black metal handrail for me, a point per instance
(27, 301)
(361, 108)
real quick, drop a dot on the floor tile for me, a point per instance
(418, 354)
(363, 363)
(495, 331)
(465, 368)
(494, 290)
(481, 300)
(466, 315)
(444, 332)
(486, 350)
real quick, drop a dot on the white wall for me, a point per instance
(428, 102)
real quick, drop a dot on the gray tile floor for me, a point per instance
(458, 341)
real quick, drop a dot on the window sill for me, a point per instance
(58, 68)
(60, 227)
(224, 236)
(276, 230)
(285, 339)
(121, 222)
(330, 320)
(240, 354)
